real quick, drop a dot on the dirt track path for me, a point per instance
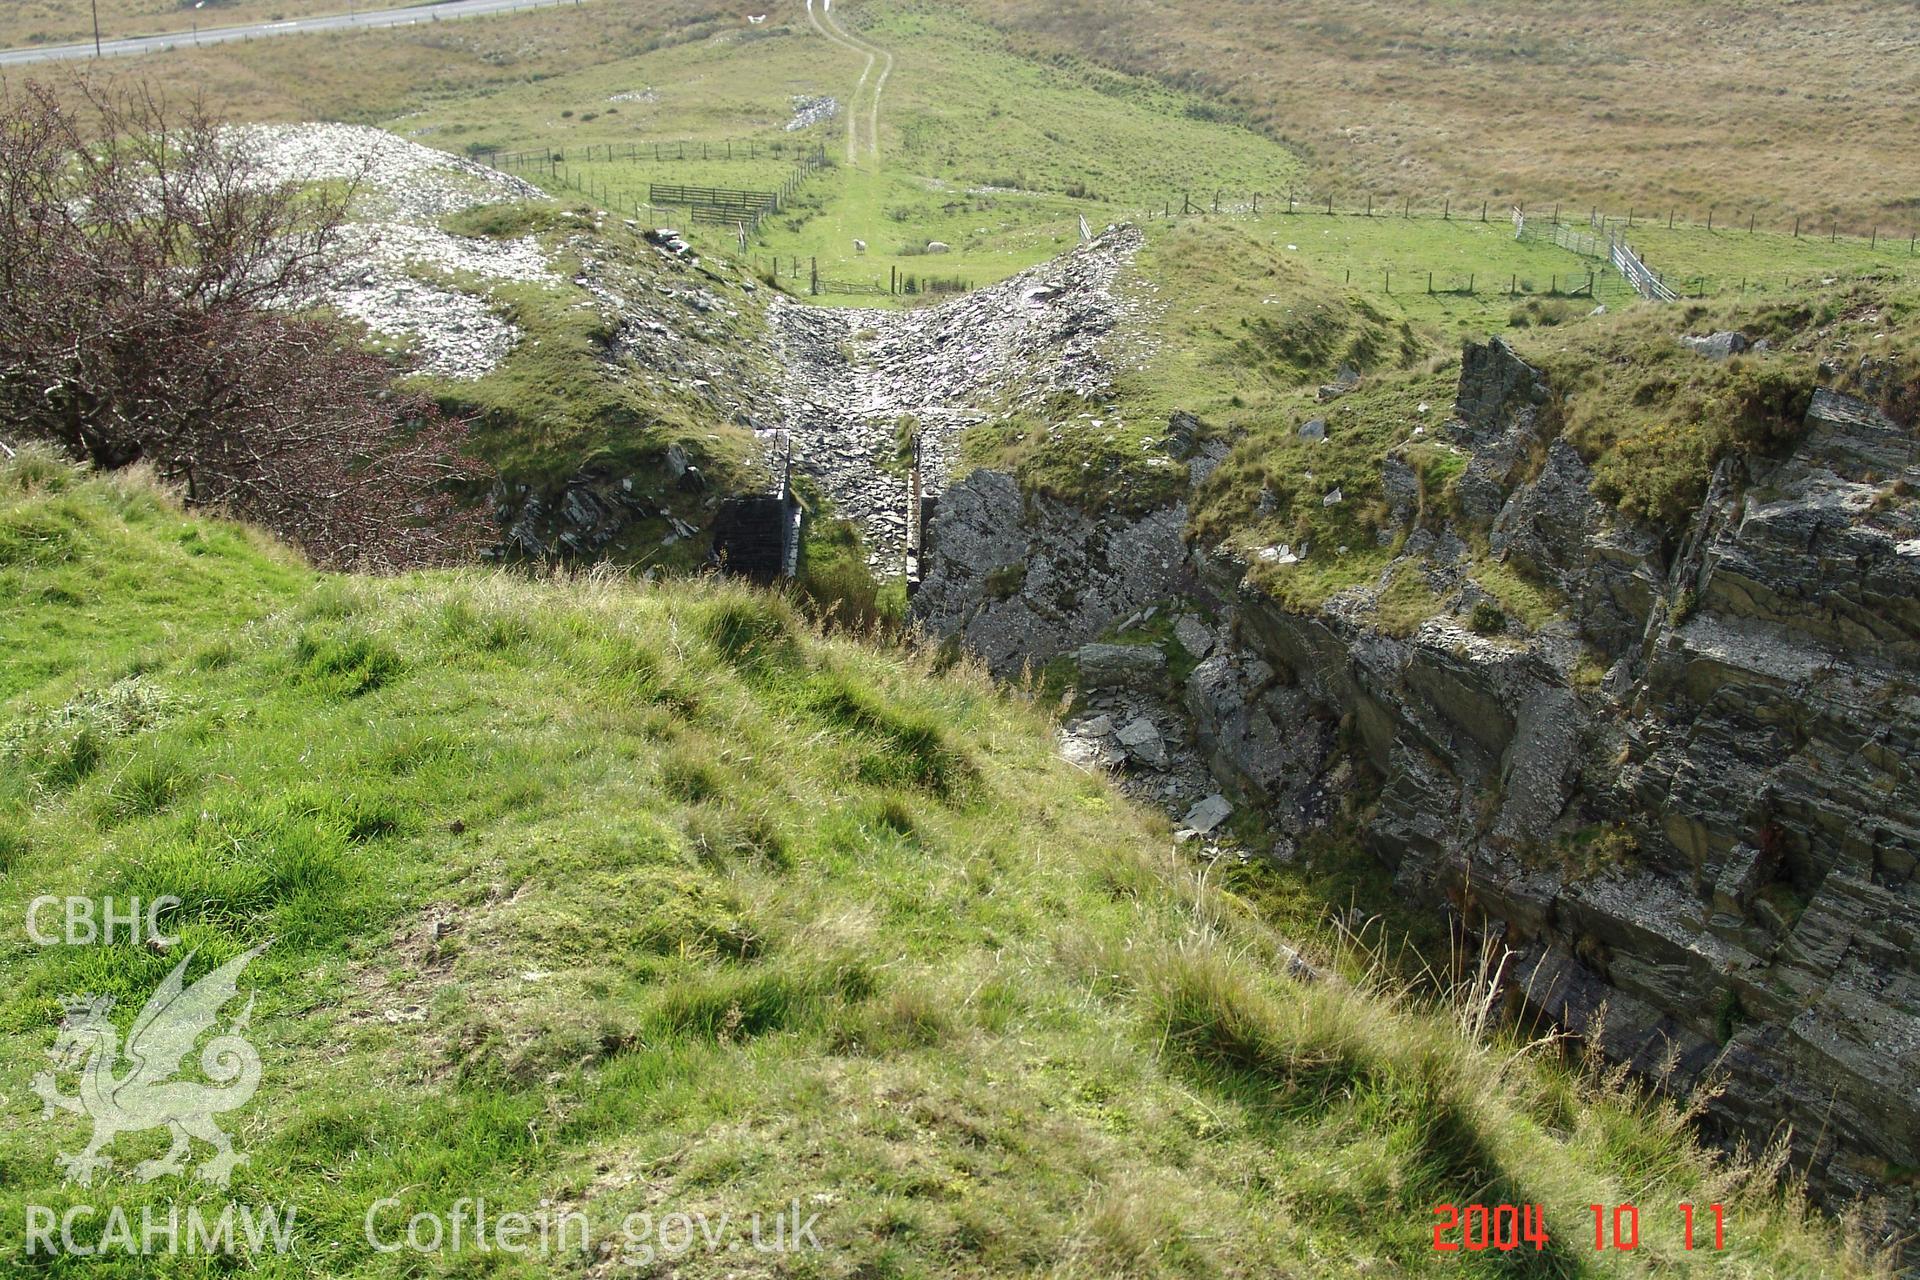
(823, 21)
(831, 32)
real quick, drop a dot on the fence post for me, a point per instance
(1796, 231)
(1446, 210)
(1216, 201)
(1389, 281)
(1669, 219)
(1483, 211)
(816, 276)
(1369, 204)
(1875, 242)
(1710, 209)
(1429, 282)
(1629, 217)
(1469, 284)
(1329, 206)
(1751, 219)
(1407, 211)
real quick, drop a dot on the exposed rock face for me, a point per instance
(1708, 860)
(1069, 576)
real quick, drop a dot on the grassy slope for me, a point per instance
(982, 143)
(59, 21)
(568, 397)
(1742, 105)
(649, 898)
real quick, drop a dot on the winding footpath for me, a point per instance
(823, 21)
(133, 46)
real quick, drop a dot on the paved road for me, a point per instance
(264, 30)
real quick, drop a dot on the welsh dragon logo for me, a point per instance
(147, 1096)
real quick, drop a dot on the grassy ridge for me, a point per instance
(652, 899)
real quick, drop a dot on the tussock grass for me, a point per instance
(654, 897)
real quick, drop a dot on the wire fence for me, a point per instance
(805, 275)
(679, 151)
(1611, 245)
(741, 209)
(1719, 218)
(1621, 269)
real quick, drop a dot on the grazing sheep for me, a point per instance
(859, 246)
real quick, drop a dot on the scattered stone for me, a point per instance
(1314, 430)
(396, 246)
(1723, 345)
(1143, 741)
(1193, 635)
(1120, 666)
(1333, 499)
(809, 111)
(1183, 430)
(1208, 814)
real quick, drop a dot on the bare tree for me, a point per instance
(158, 295)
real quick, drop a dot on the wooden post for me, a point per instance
(1429, 282)
(1751, 219)
(1669, 219)
(1556, 215)
(1407, 211)
(1329, 206)
(1216, 201)
(1710, 209)
(1796, 231)
(1369, 204)
(1469, 283)
(816, 276)
(1513, 285)
(1875, 242)
(1389, 281)
(1483, 211)
(1446, 210)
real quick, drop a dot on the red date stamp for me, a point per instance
(1476, 1228)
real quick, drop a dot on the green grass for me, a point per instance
(652, 898)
